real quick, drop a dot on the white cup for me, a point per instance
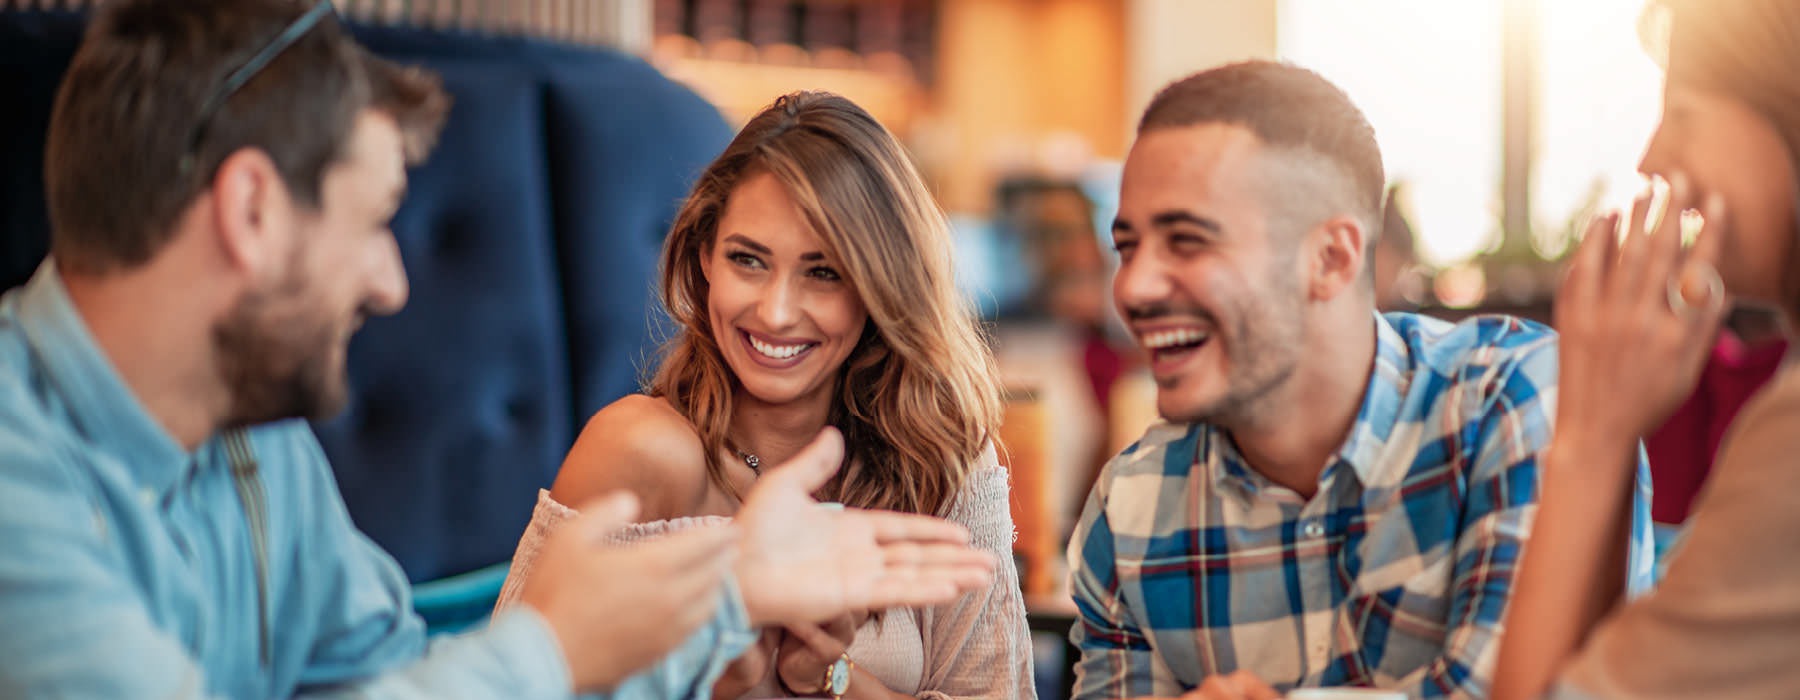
(1345, 694)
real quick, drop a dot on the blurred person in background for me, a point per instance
(1062, 341)
(1336, 497)
(810, 275)
(1639, 318)
(1054, 222)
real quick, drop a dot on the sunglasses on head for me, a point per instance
(238, 78)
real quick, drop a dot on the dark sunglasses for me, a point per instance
(236, 80)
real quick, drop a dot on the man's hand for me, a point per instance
(801, 562)
(618, 609)
(1238, 685)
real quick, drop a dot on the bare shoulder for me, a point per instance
(640, 443)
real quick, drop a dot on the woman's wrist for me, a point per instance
(1575, 451)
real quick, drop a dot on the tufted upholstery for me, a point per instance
(530, 239)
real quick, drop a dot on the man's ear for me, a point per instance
(1336, 256)
(251, 210)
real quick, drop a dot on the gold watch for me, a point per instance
(837, 677)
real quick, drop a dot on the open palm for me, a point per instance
(802, 561)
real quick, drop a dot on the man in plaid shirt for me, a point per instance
(1336, 497)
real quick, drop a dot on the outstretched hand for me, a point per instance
(801, 562)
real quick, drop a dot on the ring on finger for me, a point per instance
(1702, 274)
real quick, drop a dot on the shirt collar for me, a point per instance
(103, 408)
(1389, 380)
(1364, 447)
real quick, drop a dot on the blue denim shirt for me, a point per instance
(127, 568)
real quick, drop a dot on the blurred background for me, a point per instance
(1504, 121)
(531, 235)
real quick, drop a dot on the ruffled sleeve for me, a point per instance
(980, 645)
(550, 515)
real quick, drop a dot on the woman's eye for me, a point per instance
(825, 273)
(745, 260)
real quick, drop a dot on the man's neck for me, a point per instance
(164, 358)
(1293, 433)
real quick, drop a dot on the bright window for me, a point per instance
(1428, 75)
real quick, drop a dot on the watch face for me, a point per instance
(840, 677)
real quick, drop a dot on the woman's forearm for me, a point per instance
(1573, 570)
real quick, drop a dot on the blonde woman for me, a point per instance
(810, 275)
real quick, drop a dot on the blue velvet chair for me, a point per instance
(530, 239)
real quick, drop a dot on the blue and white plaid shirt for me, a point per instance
(1395, 574)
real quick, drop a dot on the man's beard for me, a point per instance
(275, 358)
(1260, 365)
(1262, 354)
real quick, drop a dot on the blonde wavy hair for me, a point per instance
(919, 395)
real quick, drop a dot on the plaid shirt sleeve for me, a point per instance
(1512, 426)
(1517, 416)
(1116, 658)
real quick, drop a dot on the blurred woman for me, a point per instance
(810, 275)
(1637, 318)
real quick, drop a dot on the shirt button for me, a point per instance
(147, 495)
(1313, 529)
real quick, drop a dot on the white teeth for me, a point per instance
(1168, 339)
(779, 352)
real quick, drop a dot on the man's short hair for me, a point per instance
(129, 110)
(1286, 106)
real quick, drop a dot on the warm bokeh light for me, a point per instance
(1462, 286)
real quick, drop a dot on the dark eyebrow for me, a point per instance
(1170, 218)
(812, 257)
(745, 241)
